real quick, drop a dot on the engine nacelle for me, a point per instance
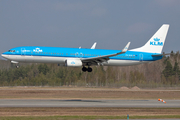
(73, 63)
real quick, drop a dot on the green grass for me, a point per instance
(84, 117)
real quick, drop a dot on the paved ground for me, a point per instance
(88, 103)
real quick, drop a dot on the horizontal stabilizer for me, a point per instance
(160, 55)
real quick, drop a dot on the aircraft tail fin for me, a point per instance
(156, 42)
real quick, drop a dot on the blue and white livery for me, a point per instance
(79, 57)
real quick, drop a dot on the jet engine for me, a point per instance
(73, 63)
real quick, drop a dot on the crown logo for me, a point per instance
(156, 39)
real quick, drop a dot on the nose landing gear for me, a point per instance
(89, 69)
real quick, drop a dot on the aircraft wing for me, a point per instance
(104, 58)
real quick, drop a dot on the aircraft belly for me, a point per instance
(17, 58)
(37, 59)
(122, 62)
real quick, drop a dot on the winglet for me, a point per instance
(126, 48)
(94, 46)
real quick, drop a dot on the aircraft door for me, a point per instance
(23, 53)
(81, 55)
(141, 57)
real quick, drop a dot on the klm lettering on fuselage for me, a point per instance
(156, 42)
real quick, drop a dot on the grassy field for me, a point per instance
(86, 117)
(85, 113)
(85, 93)
(88, 111)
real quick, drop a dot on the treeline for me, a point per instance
(160, 73)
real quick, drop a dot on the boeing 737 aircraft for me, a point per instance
(80, 57)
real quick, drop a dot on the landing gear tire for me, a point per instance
(17, 65)
(89, 69)
(84, 69)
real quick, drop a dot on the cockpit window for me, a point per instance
(11, 50)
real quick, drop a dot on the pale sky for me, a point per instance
(73, 23)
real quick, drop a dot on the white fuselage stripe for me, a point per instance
(61, 60)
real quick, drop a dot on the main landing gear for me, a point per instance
(89, 69)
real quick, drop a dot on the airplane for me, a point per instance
(75, 57)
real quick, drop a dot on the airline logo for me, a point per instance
(37, 50)
(24, 51)
(156, 42)
(73, 63)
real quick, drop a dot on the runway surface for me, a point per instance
(88, 103)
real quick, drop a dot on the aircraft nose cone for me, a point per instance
(4, 56)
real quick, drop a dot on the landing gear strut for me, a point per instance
(89, 69)
(17, 65)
